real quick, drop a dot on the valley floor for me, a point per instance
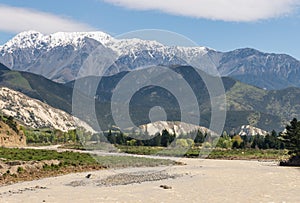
(197, 181)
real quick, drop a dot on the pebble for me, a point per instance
(130, 178)
(20, 191)
(165, 187)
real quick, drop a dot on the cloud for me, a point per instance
(15, 19)
(226, 10)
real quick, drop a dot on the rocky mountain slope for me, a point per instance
(173, 127)
(181, 128)
(60, 56)
(249, 130)
(36, 114)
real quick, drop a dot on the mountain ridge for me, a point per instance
(61, 56)
(246, 104)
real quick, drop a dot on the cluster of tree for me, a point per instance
(195, 138)
(270, 141)
(163, 139)
(55, 136)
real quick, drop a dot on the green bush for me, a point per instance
(20, 169)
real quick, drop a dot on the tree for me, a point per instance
(291, 137)
(271, 141)
(224, 141)
(246, 141)
(131, 142)
(166, 138)
(120, 139)
(199, 137)
(72, 135)
(190, 142)
(258, 142)
(236, 141)
(111, 137)
(235, 144)
(156, 140)
(182, 143)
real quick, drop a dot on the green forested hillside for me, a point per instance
(38, 87)
(245, 104)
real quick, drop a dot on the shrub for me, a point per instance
(20, 169)
(206, 145)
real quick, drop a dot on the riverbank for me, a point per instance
(198, 181)
(29, 164)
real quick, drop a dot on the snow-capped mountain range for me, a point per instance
(60, 56)
(64, 57)
(34, 39)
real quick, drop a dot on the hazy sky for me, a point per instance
(267, 25)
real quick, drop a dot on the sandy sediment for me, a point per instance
(198, 181)
(126, 178)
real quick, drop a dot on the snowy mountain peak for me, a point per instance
(29, 33)
(74, 38)
(59, 56)
(24, 40)
(134, 45)
(34, 39)
(193, 50)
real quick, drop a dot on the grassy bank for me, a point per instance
(244, 154)
(29, 164)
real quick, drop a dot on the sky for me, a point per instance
(267, 25)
